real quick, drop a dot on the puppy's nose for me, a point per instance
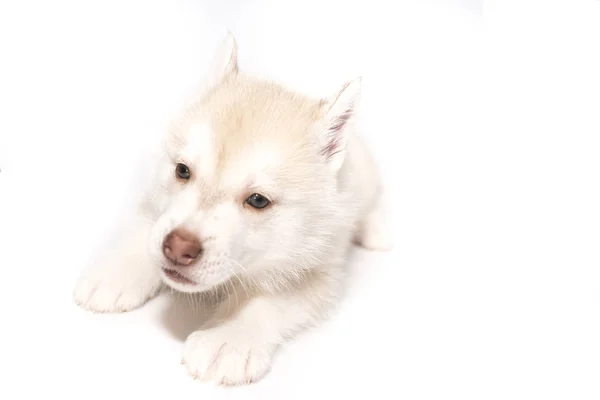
(181, 247)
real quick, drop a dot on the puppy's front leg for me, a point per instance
(238, 344)
(125, 278)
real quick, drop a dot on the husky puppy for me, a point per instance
(259, 194)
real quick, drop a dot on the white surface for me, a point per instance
(486, 124)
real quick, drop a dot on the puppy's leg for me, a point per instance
(125, 278)
(372, 231)
(236, 347)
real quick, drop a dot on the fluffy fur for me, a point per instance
(279, 268)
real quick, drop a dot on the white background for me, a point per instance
(485, 119)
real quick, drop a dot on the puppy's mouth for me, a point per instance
(176, 276)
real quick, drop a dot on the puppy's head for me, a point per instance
(248, 180)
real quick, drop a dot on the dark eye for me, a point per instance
(258, 201)
(183, 171)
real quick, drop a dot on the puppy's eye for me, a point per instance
(182, 171)
(258, 201)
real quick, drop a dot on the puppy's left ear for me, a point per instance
(340, 115)
(224, 63)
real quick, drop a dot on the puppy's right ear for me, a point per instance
(225, 62)
(340, 114)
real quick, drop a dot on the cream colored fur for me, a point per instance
(278, 270)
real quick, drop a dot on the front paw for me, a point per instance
(115, 288)
(226, 356)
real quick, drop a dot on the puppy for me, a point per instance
(258, 196)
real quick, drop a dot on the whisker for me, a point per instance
(187, 298)
(237, 300)
(242, 284)
(228, 299)
(236, 275)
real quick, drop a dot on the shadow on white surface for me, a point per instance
(183, 316)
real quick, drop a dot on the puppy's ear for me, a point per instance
(340, 114)
(224, 63)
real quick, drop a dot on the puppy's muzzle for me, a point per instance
(182, 248)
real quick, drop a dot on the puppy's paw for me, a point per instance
(116, 288)
(226, 356)
(373, 231)
(373, 239)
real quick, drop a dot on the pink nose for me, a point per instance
(181, 247)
